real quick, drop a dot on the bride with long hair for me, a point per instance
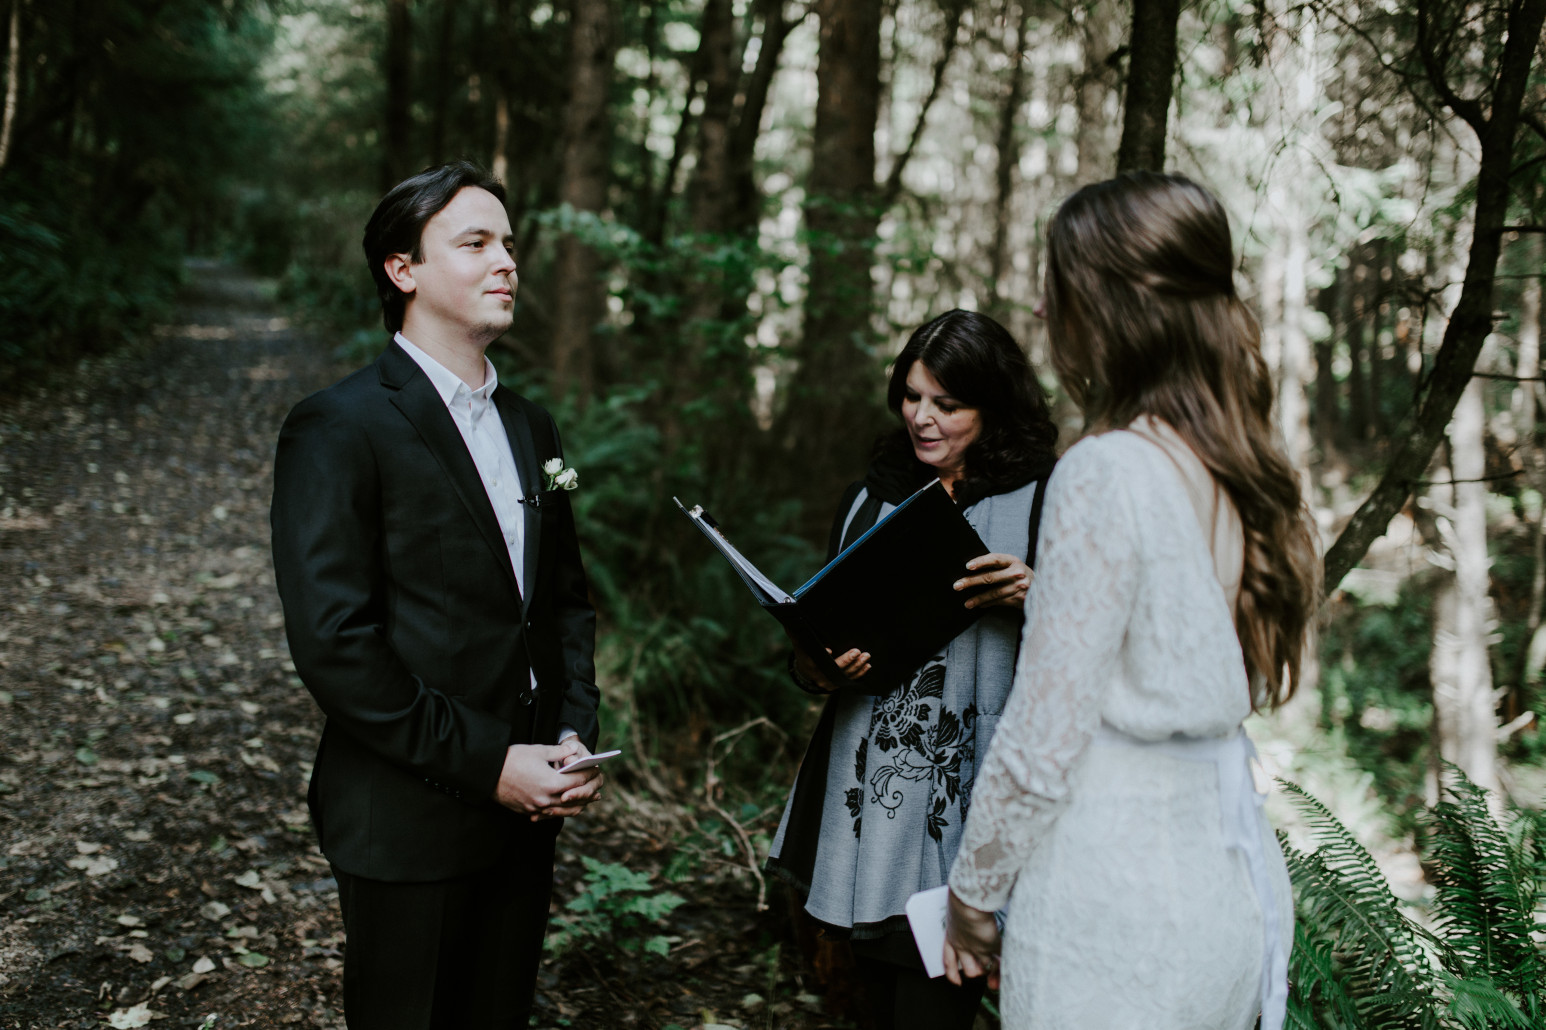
(1117, 814)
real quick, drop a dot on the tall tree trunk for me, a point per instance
(751, 103)
(1327, 391)
(501, 80)
(1532, 319)
(580, 294)
(1471, 321)
(441, 97)
(1464, 714)
(1357, 324)
(1097, 81)
(1008, 148)
(12, 82)
(1151, 74)
(396, 155)
(838, 377)
(710, 190)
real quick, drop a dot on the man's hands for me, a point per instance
(971, 943)
(1005, 577)
(531, 784)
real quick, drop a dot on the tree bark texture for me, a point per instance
(1526, 413)
(12, 82)
(396, 155)
(580, 294)
(1008, 149)
(1471, 321)
(710, 191)
(1097, 81)
(826, 422)
(441, 96)
(1464, 714)
(1151, 75)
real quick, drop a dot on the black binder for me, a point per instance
(891, 592)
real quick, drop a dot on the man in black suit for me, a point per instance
(437, 610)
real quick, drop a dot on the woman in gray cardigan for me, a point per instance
(877, 809)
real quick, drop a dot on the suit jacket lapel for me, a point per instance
(524, 449)
(415, 396)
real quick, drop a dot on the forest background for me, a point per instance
(731, 213)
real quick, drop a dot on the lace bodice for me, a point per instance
(1126, 625)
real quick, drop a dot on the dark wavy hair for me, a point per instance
(981, 365)
(397, 224)
(1144, 319)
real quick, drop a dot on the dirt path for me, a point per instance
(156, 864)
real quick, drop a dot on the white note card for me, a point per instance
(926, 916)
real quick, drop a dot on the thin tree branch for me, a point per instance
(1434, 58)
(1478, 479)
(1471, 320)
(893, 189)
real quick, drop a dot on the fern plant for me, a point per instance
(1359, 962)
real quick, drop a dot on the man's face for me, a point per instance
(466, 281)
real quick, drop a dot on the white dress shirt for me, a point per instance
(483, 431)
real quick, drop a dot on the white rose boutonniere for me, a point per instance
(559, 477)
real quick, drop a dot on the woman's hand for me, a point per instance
(971, 943)
(1004, 577)
(854, 663)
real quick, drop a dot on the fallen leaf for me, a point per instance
(250, 879)
(214, 910)
(141, 954)
(253, 960)
(87, 847)
(204, 964)
(93, 865)
(127, 1019)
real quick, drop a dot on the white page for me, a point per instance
(926, 916)
(774, 592)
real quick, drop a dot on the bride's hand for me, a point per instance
(971, 943)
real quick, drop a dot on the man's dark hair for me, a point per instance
(397, 226)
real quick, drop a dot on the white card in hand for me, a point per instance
(926, 916)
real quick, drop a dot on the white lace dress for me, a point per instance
(1115, 811)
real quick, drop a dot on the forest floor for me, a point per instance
(157, 866)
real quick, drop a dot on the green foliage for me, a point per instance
(1360, 962)
(618, 908)
(684, 645)
(1375, 693)
(133, 117)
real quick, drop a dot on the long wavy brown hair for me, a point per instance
(1144, 319)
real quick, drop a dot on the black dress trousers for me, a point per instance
(457, 954)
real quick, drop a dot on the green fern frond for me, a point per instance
(1477, 1004)
(1343, 899)
(1485, 893)
(1317, 998)
(1488, 887)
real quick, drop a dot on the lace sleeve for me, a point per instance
(1077, 613)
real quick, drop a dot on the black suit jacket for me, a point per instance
(406, 623)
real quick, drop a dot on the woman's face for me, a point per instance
(941, 427)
